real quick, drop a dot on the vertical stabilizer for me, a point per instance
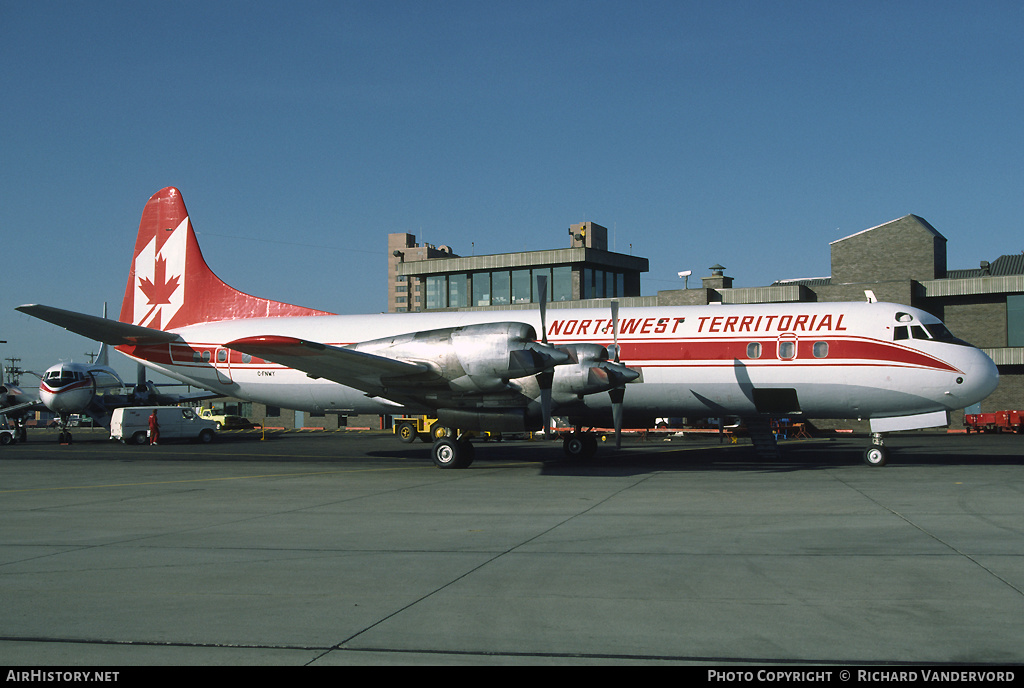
(170, 285)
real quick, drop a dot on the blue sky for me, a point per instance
(743, 132)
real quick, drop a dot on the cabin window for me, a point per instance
(787, 349)
(754, 350)
(820, 349)
(222, 355)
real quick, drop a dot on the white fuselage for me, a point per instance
(834, 360)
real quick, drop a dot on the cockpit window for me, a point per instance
(939, 331)
(932, 331)
(62, 377)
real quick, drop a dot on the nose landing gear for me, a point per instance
(876, 455)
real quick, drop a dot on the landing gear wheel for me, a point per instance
(449, 453)
(406, 432)
(579, 445)
(876, 456)
(64, 438)
(440, 432)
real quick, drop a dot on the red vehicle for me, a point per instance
(1000, 421)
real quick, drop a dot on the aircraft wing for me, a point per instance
(15, 409)
(367, 372)
(96, 328)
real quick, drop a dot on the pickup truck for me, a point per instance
(224, 421)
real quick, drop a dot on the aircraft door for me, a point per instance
(223, 365)
(787, 347)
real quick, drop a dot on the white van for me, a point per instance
(130, 424)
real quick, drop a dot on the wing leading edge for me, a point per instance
(363, 371)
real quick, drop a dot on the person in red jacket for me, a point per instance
(154, 429)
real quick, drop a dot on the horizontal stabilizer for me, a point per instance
(98, 329)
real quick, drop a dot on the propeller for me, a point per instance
(546, 378)
(618, 393)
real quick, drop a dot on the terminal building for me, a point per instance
(902, 261)
(428, 278)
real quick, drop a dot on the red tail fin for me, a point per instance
(171, 286)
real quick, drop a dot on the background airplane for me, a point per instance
(488, 370)
(17, 405)
(95, 389)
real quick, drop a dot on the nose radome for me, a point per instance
(982, 378)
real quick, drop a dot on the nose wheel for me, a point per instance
(877, 455)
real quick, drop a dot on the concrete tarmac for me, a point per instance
(342, 549)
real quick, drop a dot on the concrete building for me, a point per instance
(437, 279)
(406, 294)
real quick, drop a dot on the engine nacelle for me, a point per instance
(490, 420)
(473, 358)
(590, 372)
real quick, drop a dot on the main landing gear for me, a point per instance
(452, 452)
(877, 454)
(579, 445)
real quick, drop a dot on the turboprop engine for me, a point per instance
(590, 371)
(473, 358)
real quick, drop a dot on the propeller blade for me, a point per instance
(613, 350)
(542, 289)
(546, 379)
(619, 393)
(617, 396)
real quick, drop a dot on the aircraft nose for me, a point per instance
(981, 377)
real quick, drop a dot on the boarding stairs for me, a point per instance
(759, 429)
